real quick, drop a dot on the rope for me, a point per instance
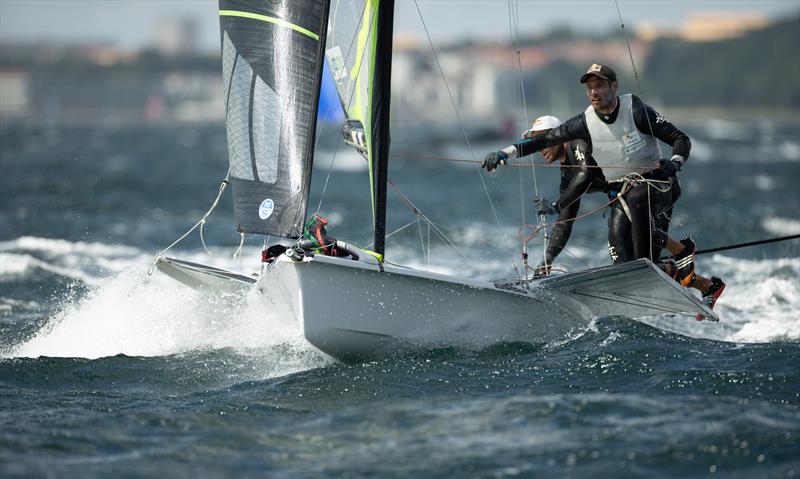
(643, 169)
(629, 181)
(200, 224)
(241, 244)
(744, 245)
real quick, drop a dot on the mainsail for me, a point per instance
(272, 54)
(359, 54)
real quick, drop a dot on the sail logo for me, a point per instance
(266, 208)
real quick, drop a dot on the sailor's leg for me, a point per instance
(641, 226)
(619, 235)
(662, 215)
(661, 239)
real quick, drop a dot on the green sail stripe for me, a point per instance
(265, 18)
(373, 6)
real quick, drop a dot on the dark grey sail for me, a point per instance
(272, 54)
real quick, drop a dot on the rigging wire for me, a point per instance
(223, 184)
(349, 100)
(415, 210)
(513, 27)
(464, 131)
(649, 123)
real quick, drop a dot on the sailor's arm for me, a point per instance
(560, 234)
(646, 118)
(582, 174)
(574, 128)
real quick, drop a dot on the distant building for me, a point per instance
(14, 94)
(711, 26)
(177, 35)
(705, 27)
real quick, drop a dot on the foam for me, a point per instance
(761, 302)
(781, 226)
(138, 315)
(60, 247)
(89, 262)
(13, 266)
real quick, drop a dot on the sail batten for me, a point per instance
(272, 66)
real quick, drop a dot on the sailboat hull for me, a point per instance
(352, 310)
(355, 310)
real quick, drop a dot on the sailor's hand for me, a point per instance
(670, 167)
(544, 207)
(494, 159)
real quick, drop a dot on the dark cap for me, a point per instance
(601, 71)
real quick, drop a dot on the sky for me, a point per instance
(133, 23)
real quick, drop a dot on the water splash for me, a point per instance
(134, 314)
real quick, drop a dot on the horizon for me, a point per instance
(92, 21)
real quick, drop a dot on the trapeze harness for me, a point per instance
(640, 216)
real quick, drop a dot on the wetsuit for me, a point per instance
(574, 183)
(630, 232)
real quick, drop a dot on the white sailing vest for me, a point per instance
(620, 143)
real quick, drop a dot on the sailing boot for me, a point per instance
(712, 294)
(685, 263)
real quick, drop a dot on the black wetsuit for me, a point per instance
(574, 183)
(628, 237)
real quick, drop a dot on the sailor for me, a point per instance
(578, 176)
(622, 132)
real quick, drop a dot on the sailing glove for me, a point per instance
(494, 159)
(544, 207)
(670, 167)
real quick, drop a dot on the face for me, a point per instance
(601, 93)
(551, 153)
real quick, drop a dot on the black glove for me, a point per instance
(669, 167)
(494, 159)
(543, 207)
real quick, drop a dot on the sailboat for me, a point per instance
(356, 305)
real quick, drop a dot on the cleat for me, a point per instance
(712, 294)
(685, 263)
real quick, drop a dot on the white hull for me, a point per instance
(352, 310)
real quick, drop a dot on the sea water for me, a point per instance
(106, 371)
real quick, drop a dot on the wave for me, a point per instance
(128, 312)
(134, 314)
(781, 226)
(61, 246)
(29, 256)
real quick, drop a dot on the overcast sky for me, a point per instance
(132, 23)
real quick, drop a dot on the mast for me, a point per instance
(379, 139)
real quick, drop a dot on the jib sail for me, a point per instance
(359, 57)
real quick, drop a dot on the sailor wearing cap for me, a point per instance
(622, 133)
(579, 175)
